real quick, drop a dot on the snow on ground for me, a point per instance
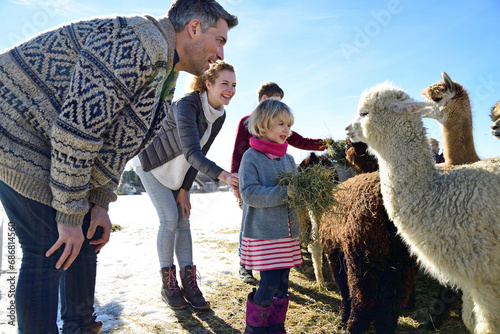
(128, 279)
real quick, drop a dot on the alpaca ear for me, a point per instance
(449, 84)
(314, 158)
(421, 108)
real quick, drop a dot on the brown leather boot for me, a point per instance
(191, 290)
(170, 291)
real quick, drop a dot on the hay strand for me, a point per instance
(313, 189)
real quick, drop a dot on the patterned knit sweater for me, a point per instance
(78, 102)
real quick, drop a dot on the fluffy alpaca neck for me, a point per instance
(407, 167)
(458, 141)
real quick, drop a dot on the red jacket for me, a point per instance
(242, 143)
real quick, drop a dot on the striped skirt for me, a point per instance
(262, 255)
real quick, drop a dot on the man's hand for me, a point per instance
(99, 217)
(72, 238)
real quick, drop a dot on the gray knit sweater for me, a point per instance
(78, 102)
(265, 213)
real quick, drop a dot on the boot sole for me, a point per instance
(174, 307)
(202, 308)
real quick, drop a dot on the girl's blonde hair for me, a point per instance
(198, 83)
(261, 120)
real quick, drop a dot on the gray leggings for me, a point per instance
(174, 232)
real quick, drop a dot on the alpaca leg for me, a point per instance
(337, 267)
(468, 311)
(316, 252)
(363, 293)
(388, 304)
(360, 317)
(317, 258)
(486, 310)
(446, 301)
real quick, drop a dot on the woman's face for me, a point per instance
(222, 90)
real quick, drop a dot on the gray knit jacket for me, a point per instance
(78, 102)
(265, 213)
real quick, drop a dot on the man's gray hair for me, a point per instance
(209, 12)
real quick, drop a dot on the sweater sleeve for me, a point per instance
(253, 192)
(104, 195)
(186, 118)
(309, 144)
(241, 145)
(102, 84)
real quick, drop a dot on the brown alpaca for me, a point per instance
(495, 117)
(369, 262)
(453, 112)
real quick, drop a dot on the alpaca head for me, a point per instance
(357, 155)
(382, 110)
(313, 160)
(495, 117)
(448, 97)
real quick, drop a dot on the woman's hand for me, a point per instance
(236, 193)
(99, 217)
(231, 179)
(183, 200)
(290, 190)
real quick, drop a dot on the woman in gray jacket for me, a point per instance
(168, 168)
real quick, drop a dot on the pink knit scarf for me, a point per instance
(272, 150)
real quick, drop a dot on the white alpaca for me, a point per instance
(316, 251)
(450, 221)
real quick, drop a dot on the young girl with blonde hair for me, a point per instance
(270, 242)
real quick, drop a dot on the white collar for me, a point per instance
(211, 113)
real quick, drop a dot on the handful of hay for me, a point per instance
(335, 151)
(313, 189)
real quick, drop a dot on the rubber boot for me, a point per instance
(278, 315)
(170, 291)
(191, 290)
(257, 316)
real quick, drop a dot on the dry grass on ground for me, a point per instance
(311, 311)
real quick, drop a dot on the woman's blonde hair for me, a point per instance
(261, 120)
(198, 83)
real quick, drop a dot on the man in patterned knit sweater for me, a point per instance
(76, 103)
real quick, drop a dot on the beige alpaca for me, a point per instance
(453, 112)
(495, 117)
(457, 115)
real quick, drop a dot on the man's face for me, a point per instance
(206, 48)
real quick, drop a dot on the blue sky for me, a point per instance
(324, 53)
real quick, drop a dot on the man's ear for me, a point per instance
(263, 98)
(194, 28)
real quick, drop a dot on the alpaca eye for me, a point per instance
(363, 113)
(437, 99)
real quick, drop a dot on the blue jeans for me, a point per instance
(39, 280)
(174, 233)
(273, 283)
